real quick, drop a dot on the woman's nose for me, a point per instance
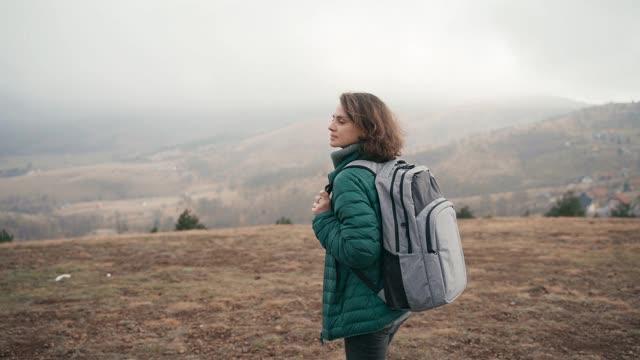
(331, 126)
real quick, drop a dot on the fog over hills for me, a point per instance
(441, 126)
(256, 179)
(30, 128)
(303, 145)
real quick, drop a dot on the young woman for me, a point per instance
(348, 225)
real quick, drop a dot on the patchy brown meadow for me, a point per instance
(538, 288)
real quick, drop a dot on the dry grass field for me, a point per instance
(538, 288)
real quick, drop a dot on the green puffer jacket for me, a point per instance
(352, 237)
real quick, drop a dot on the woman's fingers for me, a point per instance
(321, 203)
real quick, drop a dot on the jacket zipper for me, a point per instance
(428, 228)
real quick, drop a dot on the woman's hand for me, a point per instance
(321, 204)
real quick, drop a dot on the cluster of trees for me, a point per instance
(5, 236)
(569, 205)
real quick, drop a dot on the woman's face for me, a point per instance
(342, 130)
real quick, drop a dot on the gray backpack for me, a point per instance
(423, 263)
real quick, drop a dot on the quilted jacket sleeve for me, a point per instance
(351, 232)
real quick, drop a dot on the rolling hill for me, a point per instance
(588, 142)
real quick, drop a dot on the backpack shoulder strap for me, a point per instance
(366, 164)
(372, 166)
(375, 167)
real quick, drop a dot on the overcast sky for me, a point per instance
(227, 54)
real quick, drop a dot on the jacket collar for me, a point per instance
(343, 154)
(340, 159)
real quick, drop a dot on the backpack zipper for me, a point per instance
(393, 206)
(428, 228)
(406, 217)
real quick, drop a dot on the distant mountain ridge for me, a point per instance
(551, 152)
(441, 126)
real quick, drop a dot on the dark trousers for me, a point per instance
(372, 346)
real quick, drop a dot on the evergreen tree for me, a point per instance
(5, 236)
(464, 213)
(284, 221)
(568, 205)
(188, 221)
(156, 225)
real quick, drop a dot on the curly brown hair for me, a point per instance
(383, 137)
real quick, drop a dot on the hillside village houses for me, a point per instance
(600, 201)
(586, 180)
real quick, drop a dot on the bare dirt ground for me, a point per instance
(538, 288)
